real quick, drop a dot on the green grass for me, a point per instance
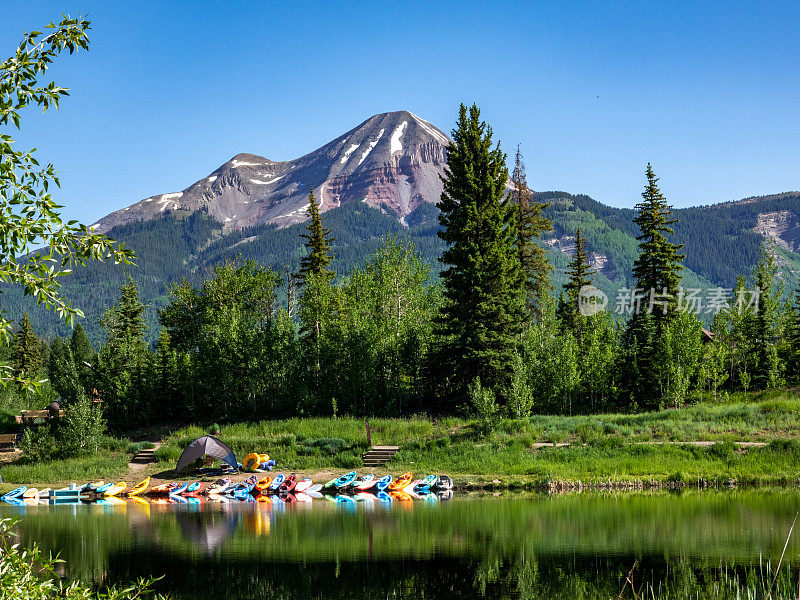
(85, 468)
(604, 448)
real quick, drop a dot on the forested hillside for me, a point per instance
(720, 241)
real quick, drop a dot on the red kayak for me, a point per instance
(288, 484)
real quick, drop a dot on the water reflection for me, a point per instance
(508, 547)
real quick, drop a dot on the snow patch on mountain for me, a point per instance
(371, 146)
(240, 163)
(395, 144)
(431, 130)
(348, 152)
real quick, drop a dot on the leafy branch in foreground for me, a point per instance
(29, 217)
(26, 573)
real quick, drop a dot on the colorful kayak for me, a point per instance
(115, 489)
(219, 486)
(103, 488)
(383, 483)
(276, 483)
(288, 484)
(162, 490)
(345, 479)
(138, 488)
(194, 488)
(31, 494)
(179, 490)
(262, 484)
(93, 487)
(314, 488)
(444, 482)
(365, 482)
(302, 485)
(401, 482)
(429, 481)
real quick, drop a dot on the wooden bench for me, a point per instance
(8, 441)
(30, 416)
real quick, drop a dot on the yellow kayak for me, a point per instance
(31, 493)
(115, 489)
(139, 487)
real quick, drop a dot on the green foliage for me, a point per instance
(483, 403)
(579, 275)
(531, 224)
(484, 288)
(318, 245)
(657, 270)
(29, 217)
(29, 574)
(38, 444)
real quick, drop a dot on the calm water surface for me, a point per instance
(510, 546)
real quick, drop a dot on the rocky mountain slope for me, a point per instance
(391, 161)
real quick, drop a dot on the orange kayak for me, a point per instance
(262, 484)
(161, 490)
(401, 482)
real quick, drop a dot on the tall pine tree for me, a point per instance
(318, 243)
(767, 325)
(657, 275)
(657, 269)
(531, 223)
(579, 274)
(484, 288)
(26, 356)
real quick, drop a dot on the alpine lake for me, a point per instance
(688, 544)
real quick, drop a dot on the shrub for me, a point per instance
(214, 429)
(168, 454)
(484, 404)
(722, 449)
(38, 444)
(589, 431)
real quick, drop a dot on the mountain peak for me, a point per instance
(392, 161)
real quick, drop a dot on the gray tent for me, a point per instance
(207, 445)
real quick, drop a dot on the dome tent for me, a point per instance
(207, 445)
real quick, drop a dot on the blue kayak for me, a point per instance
(14, 494)
(383, 483)
(276, 483)
(104, 488)
(179, 490)
(345, 479)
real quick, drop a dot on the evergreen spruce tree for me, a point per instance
(658, 266)
(767, 321)
(318, 244)
(62, 372)
(123, 358)
(657, 275)
(80, 345)
(317, 298)
(793, 336)
(26, 356)
(484, 289)
(531, 223)
(579, 274)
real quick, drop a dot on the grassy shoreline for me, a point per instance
(546, 453)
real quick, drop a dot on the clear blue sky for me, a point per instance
(708, 92)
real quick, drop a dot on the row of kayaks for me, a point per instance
(97, 489)
(252, 488)
(296, 484)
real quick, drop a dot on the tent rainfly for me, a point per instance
(207, 445)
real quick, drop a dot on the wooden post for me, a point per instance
(369, 435)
